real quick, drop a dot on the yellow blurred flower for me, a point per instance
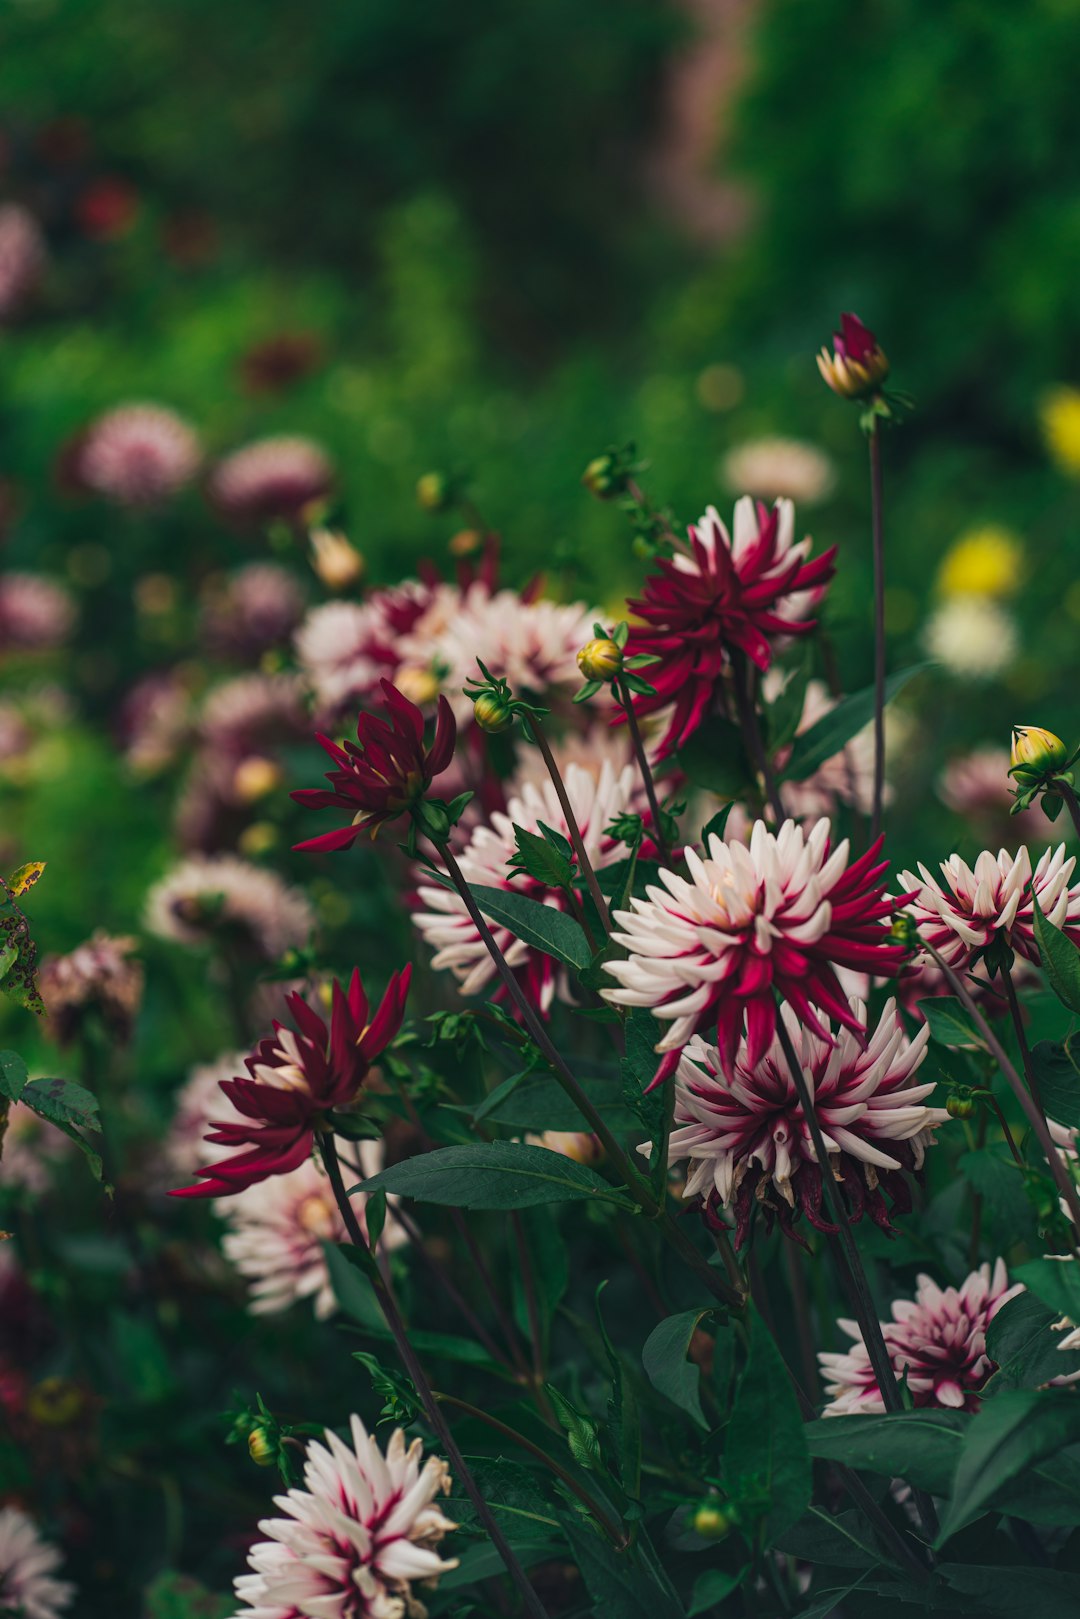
(983, 562)
(1059, 416)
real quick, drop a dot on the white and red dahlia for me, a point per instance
(28, 1564)
(137, 455)
(345, 648)
(743, 1132)
(272, 477)
(275, 1231)
(737, 591)
(779, 916)
(530, 642)
(936, 1341)
(446, 924)
(972, 908)
(207, 896)
(353, 1541)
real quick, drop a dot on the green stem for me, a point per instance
(1021, 1038)
(411, 1363)
(751, 730)
(573, 830)
(623, 693)
(877, 519)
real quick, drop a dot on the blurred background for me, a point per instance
(494, 240)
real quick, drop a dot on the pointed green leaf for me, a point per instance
(834, 730)
(495, 1175)
(544, 927)
(1060, 958)
(666, 1365)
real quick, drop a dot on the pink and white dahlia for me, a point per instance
(96, 979)
(199, 1100)
(977, 787)
(972, 908)
(737, 591)
(530, 642)
(446, 924)
(206, 896)
(137, 455)
(351, 1543)
(275, 1231)
(36, 614)
(345, 648)
(252, 611)
(28, 1564)
(937, 1340)
(777, 917)
(744, 1132)
(272, 477)
(23, 258)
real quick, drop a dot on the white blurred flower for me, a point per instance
(29, 1588)
(531, 643)
(779, 468)
(972, 636)
(208, 894)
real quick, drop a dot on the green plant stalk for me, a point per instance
(1021, 1038)
(1072, 803)
(1062, 1179)
(619, 1160)
(877, 522)
(622, 692)
(574, 831)
(411, 1363)
(751, 730)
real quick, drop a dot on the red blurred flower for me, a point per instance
(857, 365)
(385, 771)
(736, 591)
(107, 208)
(295, 1075)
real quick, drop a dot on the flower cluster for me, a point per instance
(742, 1129)
(137, 455)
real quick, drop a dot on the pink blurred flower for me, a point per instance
(23, 258)
(977, 788)
(206, 896)
(36, 614)
(271, 478)
(937, 1341)
(28, 1565)
(137, 455)
(98, 978)
(743, 1131)
(253, 611)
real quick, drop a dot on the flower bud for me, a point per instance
(256, 777)
(857, 365)
(904, 930)
(604, 477)
(337, 563)
(960, 1105)
(420, 686)
(434, 492)
(600, 659)
(1037, 749)
(261, 1448)
(711, 1522)
(493, 714)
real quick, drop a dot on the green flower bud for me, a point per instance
(960, 1105)
(434, 492)
(711, 1522)
(1037, 749)
(600, 659)
(261, 1448)
(492, 713)
(604, 477)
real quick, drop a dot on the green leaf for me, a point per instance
(540, 1103)
(1010, 1434)
(843, 1540)
(582, 1434)
(542, 926)
(540, 858)
(550, 1266)
(12, 1075)
(1051, 1593)
(622, 1585)
(666, 1365)
(71, 1108)
(835, 730)
(993, 1172)
(1060, 958)
(715, 826)
(1059, 1079)
(782, 716)
(828, 1602)
(519, 1507)
(1027, 1352)
(495, 1175)
(1056, 1282)
(950, 1022)
(177, 1596)
(714, 758)
(624, 1418)
(765, 1450)
(712, 1587)
(922, 1447)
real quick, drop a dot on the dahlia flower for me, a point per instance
(779, 916)
(742, 1128)
(732, 592)
(581, 1146)
(199, 1099)
(99, 977)
(779, 468)
(22, 257)
(275, 1231)
(972, 908)
(445, 923)
(155, 722)
(984, 561)
(28, 1584)
(273, 477)
(937, 1340)
(252, 611)
(137, 455)
(344, 649)
(383, 773)
(36, 614)
(857, 365)
(207, 896)
(252, 714)
(972, 636)
(294, 1077)
(353, 1540)
(976, 787)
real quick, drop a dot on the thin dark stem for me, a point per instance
(800, 1309)
(619, 1160)
(636, 493)
(977, 1198)
(457, 1299)
(1021, 1038)
(623, 694)
(573, 830)
(877, 519)
(1072, 803)
(532, 1308)
(412, 1365)
(1062, 1179)
(612, 1531)
(751, 730)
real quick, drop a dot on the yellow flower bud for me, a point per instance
(420, 686)
(600, 659)
(492, 713)
(261, 1448)
(433, 492)
(604, 478)
(959, 1106)
(256, 777)
(711, 1522)
(337, 563)
(1037, 749)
